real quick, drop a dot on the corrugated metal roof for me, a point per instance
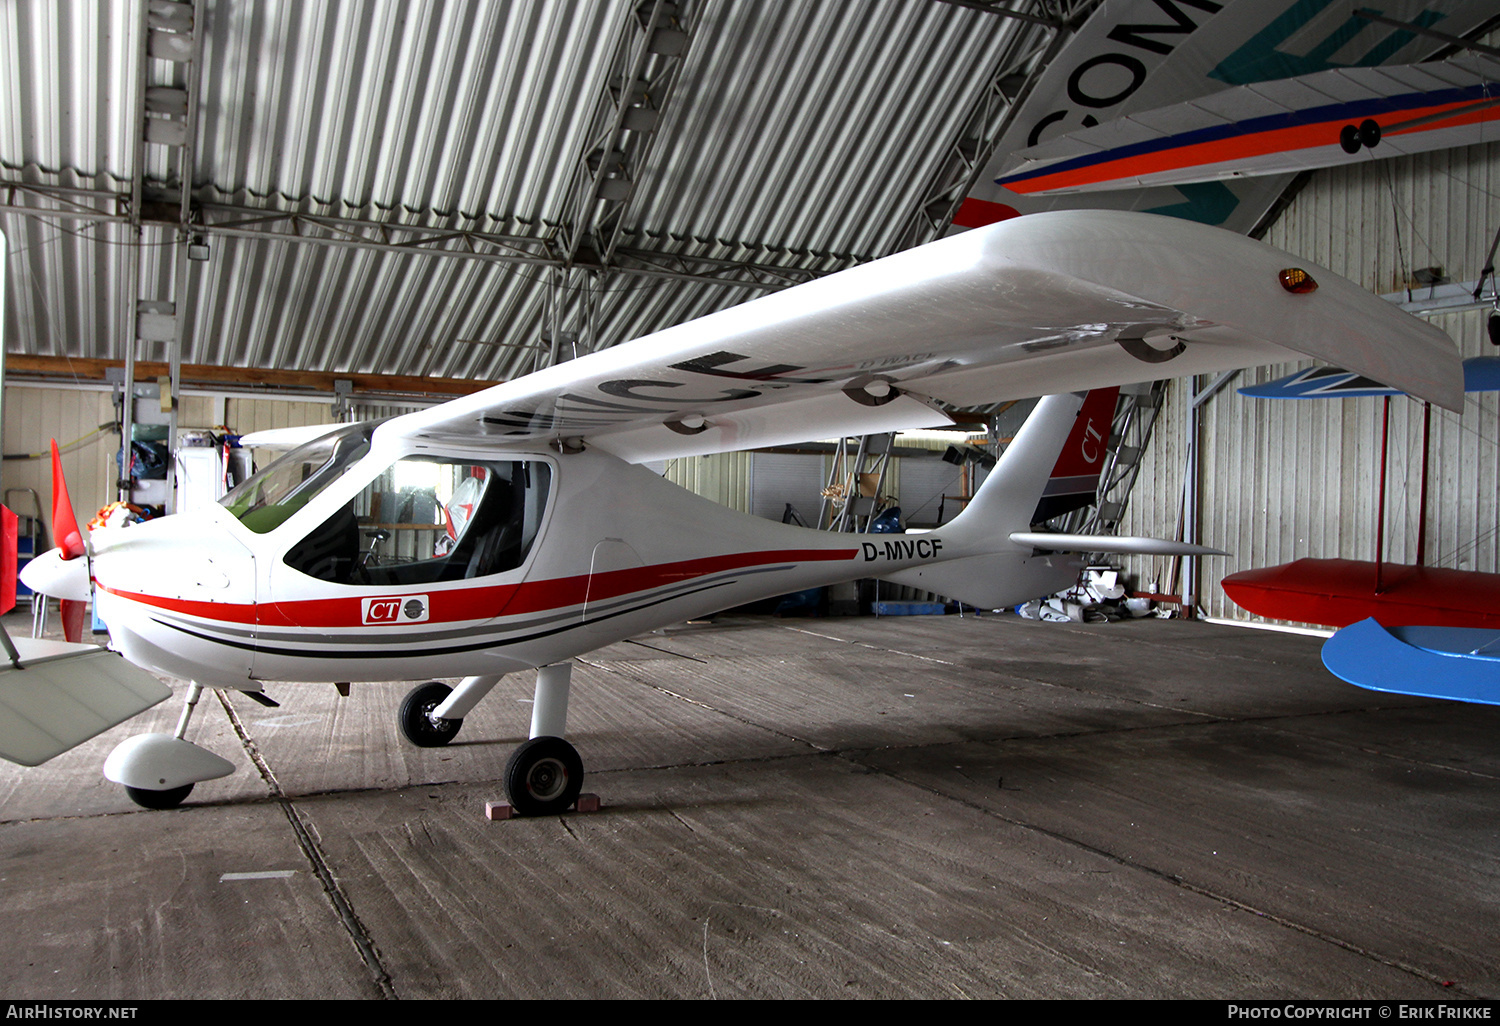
(800, 133)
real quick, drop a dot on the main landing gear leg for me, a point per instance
(545, 774)
(549, 708)
(159, 770)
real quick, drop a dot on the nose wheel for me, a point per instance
(543, 777)
(149, 799)
(417, 722)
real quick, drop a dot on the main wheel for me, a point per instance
(415, 718)
(168, 799)
(543, 777)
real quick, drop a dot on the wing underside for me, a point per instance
(1054, 302)
(58, 695)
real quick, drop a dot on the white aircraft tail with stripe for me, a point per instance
(1016, 563)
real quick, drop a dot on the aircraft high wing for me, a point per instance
(1060, 301)
(508, 530)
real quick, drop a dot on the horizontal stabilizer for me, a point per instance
(1458, 663)
(63, 694)
(1124, 546)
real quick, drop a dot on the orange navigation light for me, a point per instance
(1295, 279)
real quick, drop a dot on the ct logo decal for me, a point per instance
(1091, 439)
(394, 609)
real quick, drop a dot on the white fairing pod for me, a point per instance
(161, 762)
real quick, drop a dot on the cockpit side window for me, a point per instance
(427, 519)
(269, 496)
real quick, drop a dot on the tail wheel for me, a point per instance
(543, 777)
(415, 717)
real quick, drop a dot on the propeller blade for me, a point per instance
(73, 613)
(69, 541)
(65, 532)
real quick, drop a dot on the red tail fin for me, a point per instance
(1075, 479)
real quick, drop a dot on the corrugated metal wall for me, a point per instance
(801, 133)
(722, 477)
(34, 416)
(1282, 480)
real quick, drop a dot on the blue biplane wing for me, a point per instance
(1458, 663)
(1481, 374)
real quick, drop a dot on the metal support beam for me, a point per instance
(127, 400)
(990, 117)
(1423, 30)
(997, 7)
(638, 85)
(50, 204)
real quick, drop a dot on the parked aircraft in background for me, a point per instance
(1413, 630)
(1458, 663)
(519, 531)
(1295, 124)
(1481, 374)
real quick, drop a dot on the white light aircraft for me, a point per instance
(540, 538)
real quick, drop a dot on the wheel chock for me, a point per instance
(587, 802)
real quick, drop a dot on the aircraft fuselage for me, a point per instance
(607, 550)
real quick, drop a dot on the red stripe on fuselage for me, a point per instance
(483, 602)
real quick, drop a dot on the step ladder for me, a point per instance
(845, 507)
(1130, 433)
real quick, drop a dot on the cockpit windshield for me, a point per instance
(270, 496)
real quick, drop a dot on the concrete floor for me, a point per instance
(903, 807)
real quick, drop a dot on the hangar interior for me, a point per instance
(391, 205)
(267, 215)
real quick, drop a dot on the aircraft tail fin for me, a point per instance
(1053, 467)
(997, 559)
(1075, 477)
(1012, 493)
